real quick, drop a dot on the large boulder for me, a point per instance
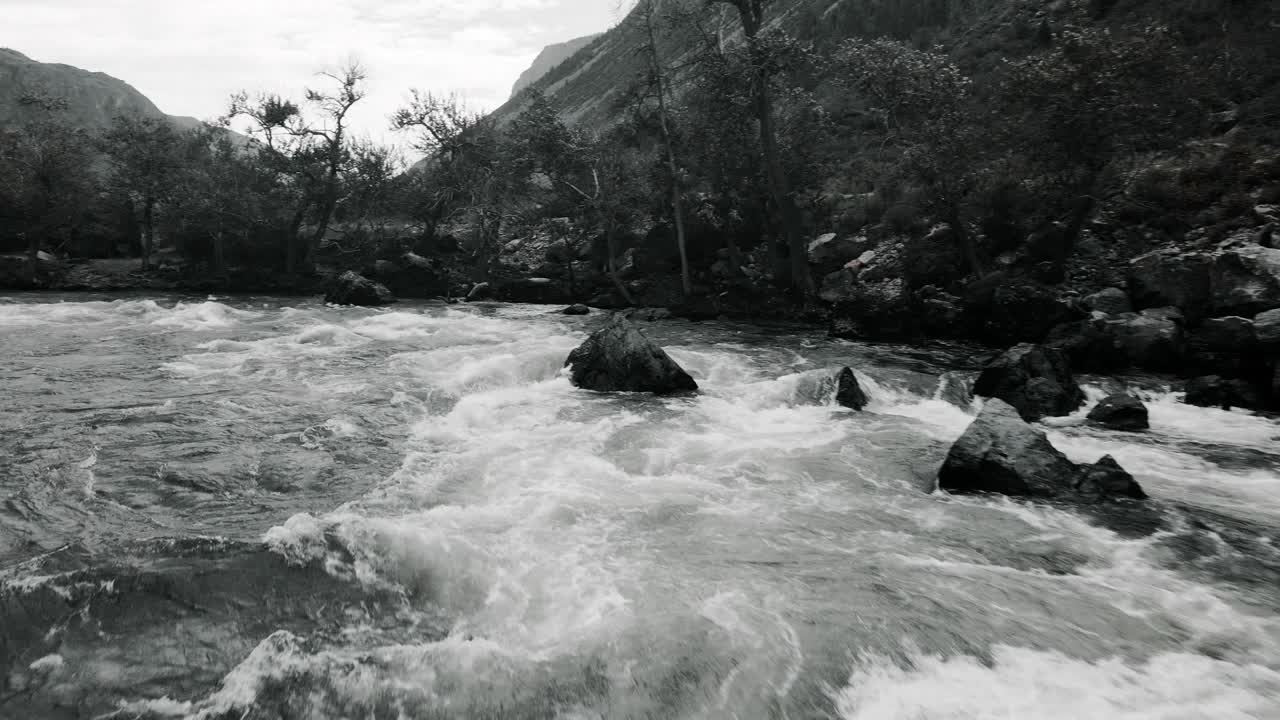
(537, 290)
(1001, 453)
(1023, 311)
(1244, 279)
(1035, 380)
(1106, 480)
(1225, 346)
(1121, 412)
(577, 309)
(619, 358)
(849, 392)
(1171, 277)
(882, 309)
(1152, 339)
(1266, 326)
(1111, 301)
(354, 289)
(1214, 391)
(413, 276)
(831, 252)
(1237, 277)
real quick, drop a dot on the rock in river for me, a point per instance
(850, 394)
(1000, 453)
(355, 289)
(1035, 380)
(619, 358)
(1121, 412)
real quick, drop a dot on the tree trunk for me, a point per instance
(801, 279)
(967, 244)
(148, 231)
(219, 255)
(611, 248)
(291, 242)
(677, 199)
(570, 251)
(313, 245)
(33, 256)
(788, 215)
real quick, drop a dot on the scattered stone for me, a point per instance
(1035, 380)
(619, 358)
(1112, 301)
(1214, 391)
(1001, 453)
(850, 393)
(1121, 412)
(354, 289)
(577, 309)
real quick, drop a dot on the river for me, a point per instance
(263, 508)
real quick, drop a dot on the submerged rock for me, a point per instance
(1001, 453)
(1121, 412)
(577, 309)
(354, 289)
(1035, 380)
(619, 358)
(850, 394)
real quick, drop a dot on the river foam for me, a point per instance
(749, 551)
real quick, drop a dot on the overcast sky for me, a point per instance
(188, 56)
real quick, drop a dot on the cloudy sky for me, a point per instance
(188, 56)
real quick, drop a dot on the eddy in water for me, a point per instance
(266, 509)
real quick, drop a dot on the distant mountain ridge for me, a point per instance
(548, 59)
(93, 99)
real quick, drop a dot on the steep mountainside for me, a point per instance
(979, 34)
(93, 99)
(548, 59)
(586, 87)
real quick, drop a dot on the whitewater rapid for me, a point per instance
(490, 541)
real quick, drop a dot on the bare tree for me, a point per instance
(315, 152)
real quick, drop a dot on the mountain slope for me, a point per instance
(979, 34)
(548, 59)
(93, 99)
(585, 86)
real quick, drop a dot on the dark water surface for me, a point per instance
(263, 508)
